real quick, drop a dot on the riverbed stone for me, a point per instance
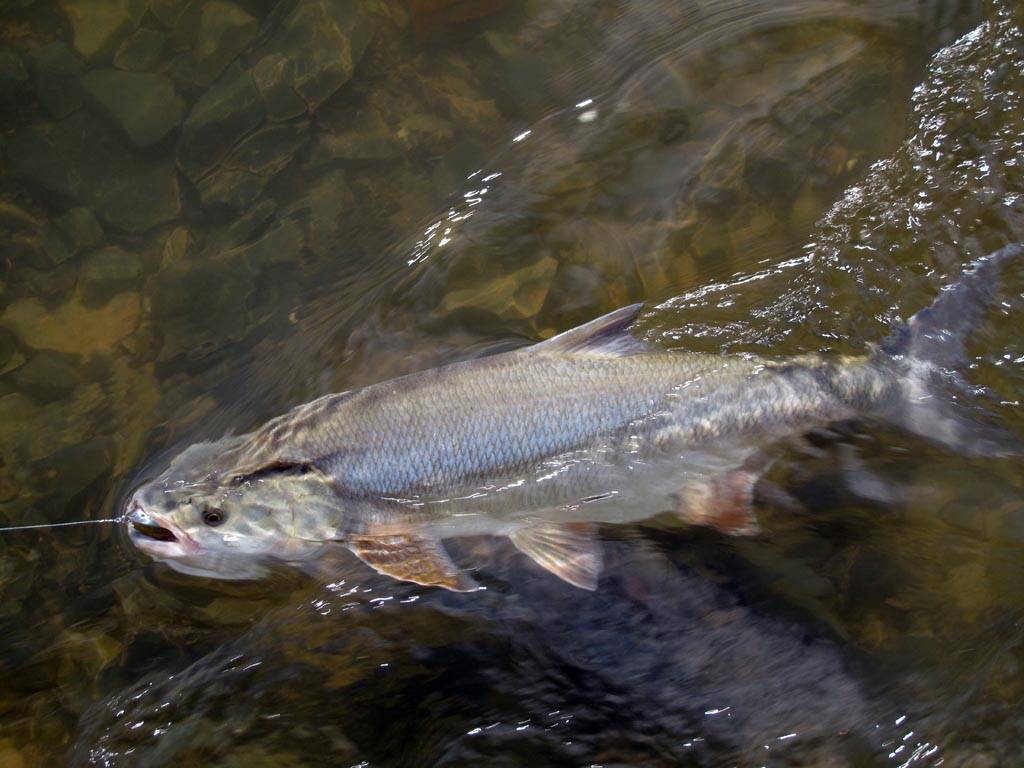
(98, 26)
(72, 327)
(325, 40)
(54, 283)
(66, 236)
(223, 32)
(80, 229)
(144, 106)
(107, 272)
(515, 296)
(240, 229)
(175, 247)
(244, 173)
(282, 244)
(229, 110)
(8, 349)
(47, 376)
(142, 51)
(425, 132)
(232, 189)
(366, 138)
(55, 72)
(82, 159)
(70, 470)
(321, 209)
(15, 218)
(200, 306)
(167, 12)
(267, 151)
(13, 74)
(274, 75)
(53, 247)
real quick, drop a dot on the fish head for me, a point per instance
(202, 518)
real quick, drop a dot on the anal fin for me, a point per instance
(410, 558)
(723, 502)
(571, 551)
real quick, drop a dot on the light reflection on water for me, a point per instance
(679, 154)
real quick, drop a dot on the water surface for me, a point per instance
(768, 177)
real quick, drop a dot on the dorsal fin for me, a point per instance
(606, 336)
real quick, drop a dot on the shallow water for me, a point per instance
(767, 177)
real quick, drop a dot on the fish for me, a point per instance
(544, 445)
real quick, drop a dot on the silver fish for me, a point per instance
(540, 445)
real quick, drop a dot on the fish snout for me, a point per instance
(138, 516)
(147, 525)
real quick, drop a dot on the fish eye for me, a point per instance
(213, 516)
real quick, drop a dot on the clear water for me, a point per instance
(773, 177)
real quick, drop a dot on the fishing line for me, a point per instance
(38, 526)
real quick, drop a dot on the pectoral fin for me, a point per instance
(571, 551)
(410, 558)
(723, 502)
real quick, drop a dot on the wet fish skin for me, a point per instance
(592, 426)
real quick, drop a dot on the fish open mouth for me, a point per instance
(154, 531)
(148, 525)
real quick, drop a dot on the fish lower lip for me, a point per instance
(154, 532)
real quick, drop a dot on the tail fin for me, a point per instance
(932, 346)
(937, 335)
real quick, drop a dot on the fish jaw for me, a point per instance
(157, 536)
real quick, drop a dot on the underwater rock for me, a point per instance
(175, 247)
(425, 132)
(274, 75)
(70, 470)
(13, 74)
(142, 51)
(241, 229)
(144, 345)
(222, 283)
(267, 151)
(167, 12)
(245, 172)
(8, 350)
(515, 296)
(221, 291)
(430, 17)
(321, 208)
(88, 653)
(55, 74)
(66, 237)
(52, 246)
(223, 31)
(79, 229)
(233, 189)
(52, 283)
(10, 757)
(47, 376)
(14, 217)
(229, 110)
(82, 159)
(72, 327)
(453, 82)
(325, 41)
(98, 25)
(366, 137)
(279, 245)
(144, 106)
(107, 272)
